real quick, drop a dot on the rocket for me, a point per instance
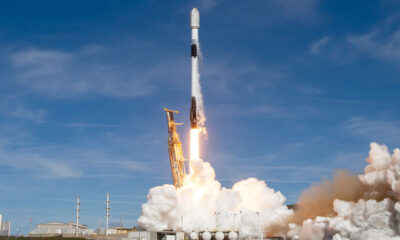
(195, 25)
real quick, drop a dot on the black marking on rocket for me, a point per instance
(193, 113)
(194, 50)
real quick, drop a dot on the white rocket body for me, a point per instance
(195, 25)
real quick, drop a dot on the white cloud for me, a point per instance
(316, 47)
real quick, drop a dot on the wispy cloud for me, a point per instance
(48, 168)
(317, 46)
(91, 71)
(209, 4)
(21, 111)
(40, 63)
(296, 8)
(266, 110)
(288, 9)
(373, 43)
(286, 168)
(374, 130)
(293, 181)
(382, 42)
(86, 125)
(354, 161)
(23, 154)
(308, 90)
(229, 76)
(13, 107)
(356, 102)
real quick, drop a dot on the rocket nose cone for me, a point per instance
(194, 18)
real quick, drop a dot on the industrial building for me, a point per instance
(172, 235)
(4, 227)
(59, 229)
(121, 230)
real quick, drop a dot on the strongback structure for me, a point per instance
(175, 150)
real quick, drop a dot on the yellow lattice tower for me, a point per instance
(175, 150)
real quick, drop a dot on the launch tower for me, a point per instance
(175, 150)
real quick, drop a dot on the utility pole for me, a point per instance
(100, 222)
(31, 222)
(107, 211)
(78, 203)
(120, 220)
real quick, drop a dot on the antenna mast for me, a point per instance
(78, 203)
(107, 211)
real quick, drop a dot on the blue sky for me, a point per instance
(294, 89)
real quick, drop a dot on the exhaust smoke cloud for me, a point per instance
(349, 207)
(352, 208)
(203, 204)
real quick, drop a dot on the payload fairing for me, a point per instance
(194, 109)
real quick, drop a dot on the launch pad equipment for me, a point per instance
(175, 150)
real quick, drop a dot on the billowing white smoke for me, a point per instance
(383, 167)
(364, 219)
(357, 221)
(202, 204)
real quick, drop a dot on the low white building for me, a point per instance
(59, 228)
(4, 227)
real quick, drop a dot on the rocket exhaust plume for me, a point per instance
(194, 143)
